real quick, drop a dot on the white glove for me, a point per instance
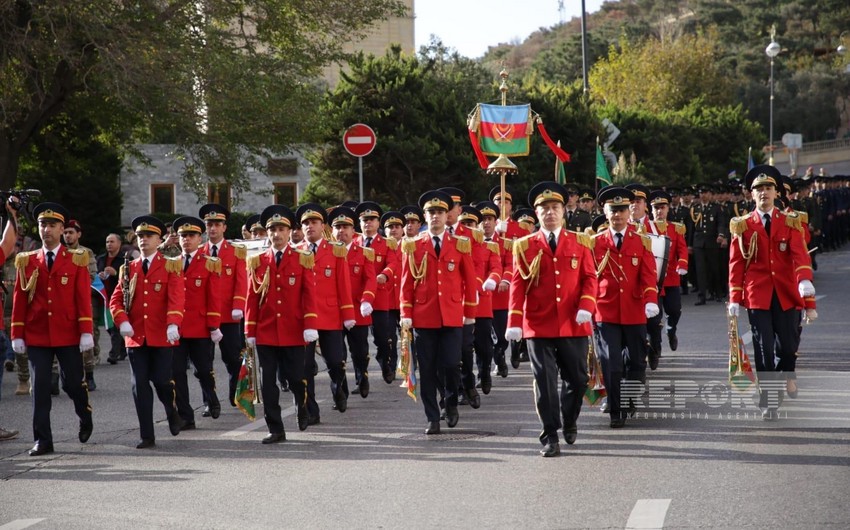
(86, 342)
(806, 288)
(365, 309)
(251, 342)
(583, 317)
(311, 335)
(172, 333)
(348, 324)
(811, 315)
(651, 310)
(18, 346)
(407, 322)
(468, 321)
(734, 309)
(502, 226)
(126, 329)
(681, 272)
(489, 285)
(513, 334)
(216, 335)
(236, 314)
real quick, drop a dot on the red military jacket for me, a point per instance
(52, 309)
(514, 230)
(234, 280)
(361, 269)
(547, 289)
(156, 301)
(627, 277)
(488, 264)
(281, 298)
(759, 265)
(332, 285)
(395, 294)
(202, 313)
(386, 263)
(678, 258)
(437, 291)
(501, 299)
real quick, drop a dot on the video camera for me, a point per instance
(24, 200)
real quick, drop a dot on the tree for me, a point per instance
(225, 81)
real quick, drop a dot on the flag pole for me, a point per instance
(502, 165)
(596, 177)
(556, 164)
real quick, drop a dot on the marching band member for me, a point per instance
(677, 265)
(393, 223)
(414, 218)
(438, 287)
(553, 296)
(280, 317)
(499, 297)
(153, 287)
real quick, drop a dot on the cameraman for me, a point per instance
(7, 247)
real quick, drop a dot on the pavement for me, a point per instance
(697, 454)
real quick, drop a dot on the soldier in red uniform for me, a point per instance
(234, 291)
(280, 317)
(627, 297)
(553, 296)
(770, 273)
(437, 299)
(386, 269)
(488, 265)
(52, 318)
(201, 319)
(361, 269)
(637, 208)
(393, 223)
(499, 297)
(509, 228)
(677, 265)
(414, 218)
(147, 306)
(334, 308)
(526, 220)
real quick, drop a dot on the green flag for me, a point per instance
(560, 174)
(602, 168)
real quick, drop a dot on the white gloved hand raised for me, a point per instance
(806, 288)
(126, 329)
(172, 333)
(311, 335)
(365, 309)
(651, 310)
(734, 309)
(583, 316)
(513, 334)
(489, 285)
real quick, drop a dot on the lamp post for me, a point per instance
(772, 51)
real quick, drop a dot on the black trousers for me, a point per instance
(775, 344)
(231, 345)
(71, 374)
(151, 366)
(671, 305)
(358, 345)
(395, 331)
(292, 360)
(621, 350)
(563, 358)
(467, 352)
(438, 349)
(382, 331)
(484, 346)
(707, 261)
(117, 349)
(333, 352)
(198, 351)
(500, 326)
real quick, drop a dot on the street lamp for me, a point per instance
(772, 51)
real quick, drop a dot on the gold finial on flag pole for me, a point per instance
(502, 165)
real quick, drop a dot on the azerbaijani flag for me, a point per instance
(98, 287)
(504, 130)
(244, 397)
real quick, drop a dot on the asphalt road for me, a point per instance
(699, 457)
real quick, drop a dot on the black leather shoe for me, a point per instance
(145, 443)
(54, 384)
(303, 417)
(86, 428)
(388, 373)
(502, 369)
(515, 360)
(215, 410)
(433, 427)
(770, 414)
(175, 423)
(112, 360)
(570, 435)
(364, 385)
(41, 448)
(274, 438)
(206, 413)
(341, 402)
(523, 356)
(550, 450)
(452, 416)
(90, 382)
(188, 426)
(486, 384)
(314, 420)
(474, 398)
(461, 400)
(653, 361)
(700, 301)
(617, 423)
(674, 341)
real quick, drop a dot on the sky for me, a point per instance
(471, 26)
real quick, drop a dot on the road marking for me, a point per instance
(819, 296)
(18, 524)
(254, 425)
(359, 140)
(648, 513)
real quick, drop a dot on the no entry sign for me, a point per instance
(359, 140)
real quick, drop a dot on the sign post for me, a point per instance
(359, 140)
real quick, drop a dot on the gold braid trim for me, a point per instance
(252, 262)
(494, 247)
(28, 286)
(584, 239)
(530, 272)
(132, 289)
(408, 245)
(589, 232)
(680, 228)
(696, 219)
(647, 242)
(240, 251)
(737, 226)
(792, 219)
(662, 226)
(369, 253)
(306, 258)
(392, 244)
(339, 249)
(603, 263)
(750, 254)
(464, 245)
(804, 216)
(174, 265)
(213, 264)
(23, 259)
(509, 244)
(79, 257)
(477, 235)
(419, 272)
(259, 287)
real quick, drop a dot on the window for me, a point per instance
(286, 193)
(283, 167)
(162, 198)
(219, 194)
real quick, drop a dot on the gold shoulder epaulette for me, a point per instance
(584, 240)
(339, 249)
(662, 226)
(793, 220)
(22, 259)
(647, 242)
(680, 228)
(600, 233)
(509, 244)
(240, 251)
(392, 244)
(369, 253)
(213, 264)
(464, 244)
(521, 245)
(589, 232)
(737, 226)
(174, 265)
(306, 258)
(79, 257)
(408, 245)
(804, 216)
(493, 246)
(252, 262)
(477, 235)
